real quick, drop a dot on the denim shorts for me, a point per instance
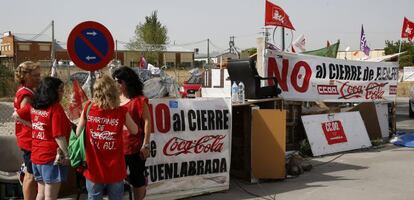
(96, 190)
(49, 173)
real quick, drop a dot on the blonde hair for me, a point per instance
(23, 70)
(106, 93)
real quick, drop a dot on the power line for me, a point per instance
(191, 43)
(42, 32)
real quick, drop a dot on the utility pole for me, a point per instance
(231, 44)
(52, 51)
(208, 50)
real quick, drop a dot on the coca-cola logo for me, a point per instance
(104, 135)
(209, 143)
(375, 91)
(372, 91)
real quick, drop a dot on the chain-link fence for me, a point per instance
(7, 92)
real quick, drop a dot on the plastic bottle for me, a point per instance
(234, 93)
(241, 92)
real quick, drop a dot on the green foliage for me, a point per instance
(406, 59)
(246, 53)
(150, 37)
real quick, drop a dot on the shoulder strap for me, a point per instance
(89, 107)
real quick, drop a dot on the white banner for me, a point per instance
(190, 147)
(408, 74)
(314, 78)
(331, 133)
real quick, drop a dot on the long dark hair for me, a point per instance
(47, 93)
(134, 86)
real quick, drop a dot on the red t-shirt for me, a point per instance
(47, 124)
(23, 133)
(135, 107)
(104, 146)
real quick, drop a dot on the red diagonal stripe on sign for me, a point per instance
(91, 46)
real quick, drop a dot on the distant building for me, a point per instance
(171, 56)
(219, 59)
(17, 48)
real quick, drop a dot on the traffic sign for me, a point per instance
(90, 45)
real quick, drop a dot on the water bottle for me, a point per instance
(241, 92)
(234, 93)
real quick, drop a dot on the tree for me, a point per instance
(406, 59)
(150, 37)
(246, 53)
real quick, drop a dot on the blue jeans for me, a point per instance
(95, 190)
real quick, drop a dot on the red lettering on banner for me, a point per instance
(372, 91)
(375, 91)
(334, 132)
(295, 76)
(273, 71)
(349, 91)
(209, 143)
(393, 90)
(162, 118)
(327, 89)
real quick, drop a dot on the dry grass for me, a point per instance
(180, 75)
(403, 89)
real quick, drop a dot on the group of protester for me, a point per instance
(117, 134)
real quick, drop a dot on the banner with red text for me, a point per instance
(190, 147)
(314, 78)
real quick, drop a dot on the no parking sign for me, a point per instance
(90, 45)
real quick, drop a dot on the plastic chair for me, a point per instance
(12, 161)
(245, 70)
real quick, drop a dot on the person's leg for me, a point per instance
(29, 184)
(116, 190)
(137, 177)
(139, 192)
(52, 191)
(40, 190)
(29, 187)
(95, 191)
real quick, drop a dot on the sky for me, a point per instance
(190, 21)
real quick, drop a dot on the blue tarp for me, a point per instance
(403, 139)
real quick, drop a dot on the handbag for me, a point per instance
(76, 147)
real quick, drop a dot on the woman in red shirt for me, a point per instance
(136, 146)
(104, 145)
(50, 133)
(27, 74)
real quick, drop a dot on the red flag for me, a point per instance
(407, 29)
(78, 97)
(275, 16)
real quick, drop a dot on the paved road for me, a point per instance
(382, 173)
(404, 123)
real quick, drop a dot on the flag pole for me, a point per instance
(399, 51)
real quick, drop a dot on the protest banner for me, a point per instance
(190, 147)
(314, 78)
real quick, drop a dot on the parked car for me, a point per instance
(192, 85)
(411, 103)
